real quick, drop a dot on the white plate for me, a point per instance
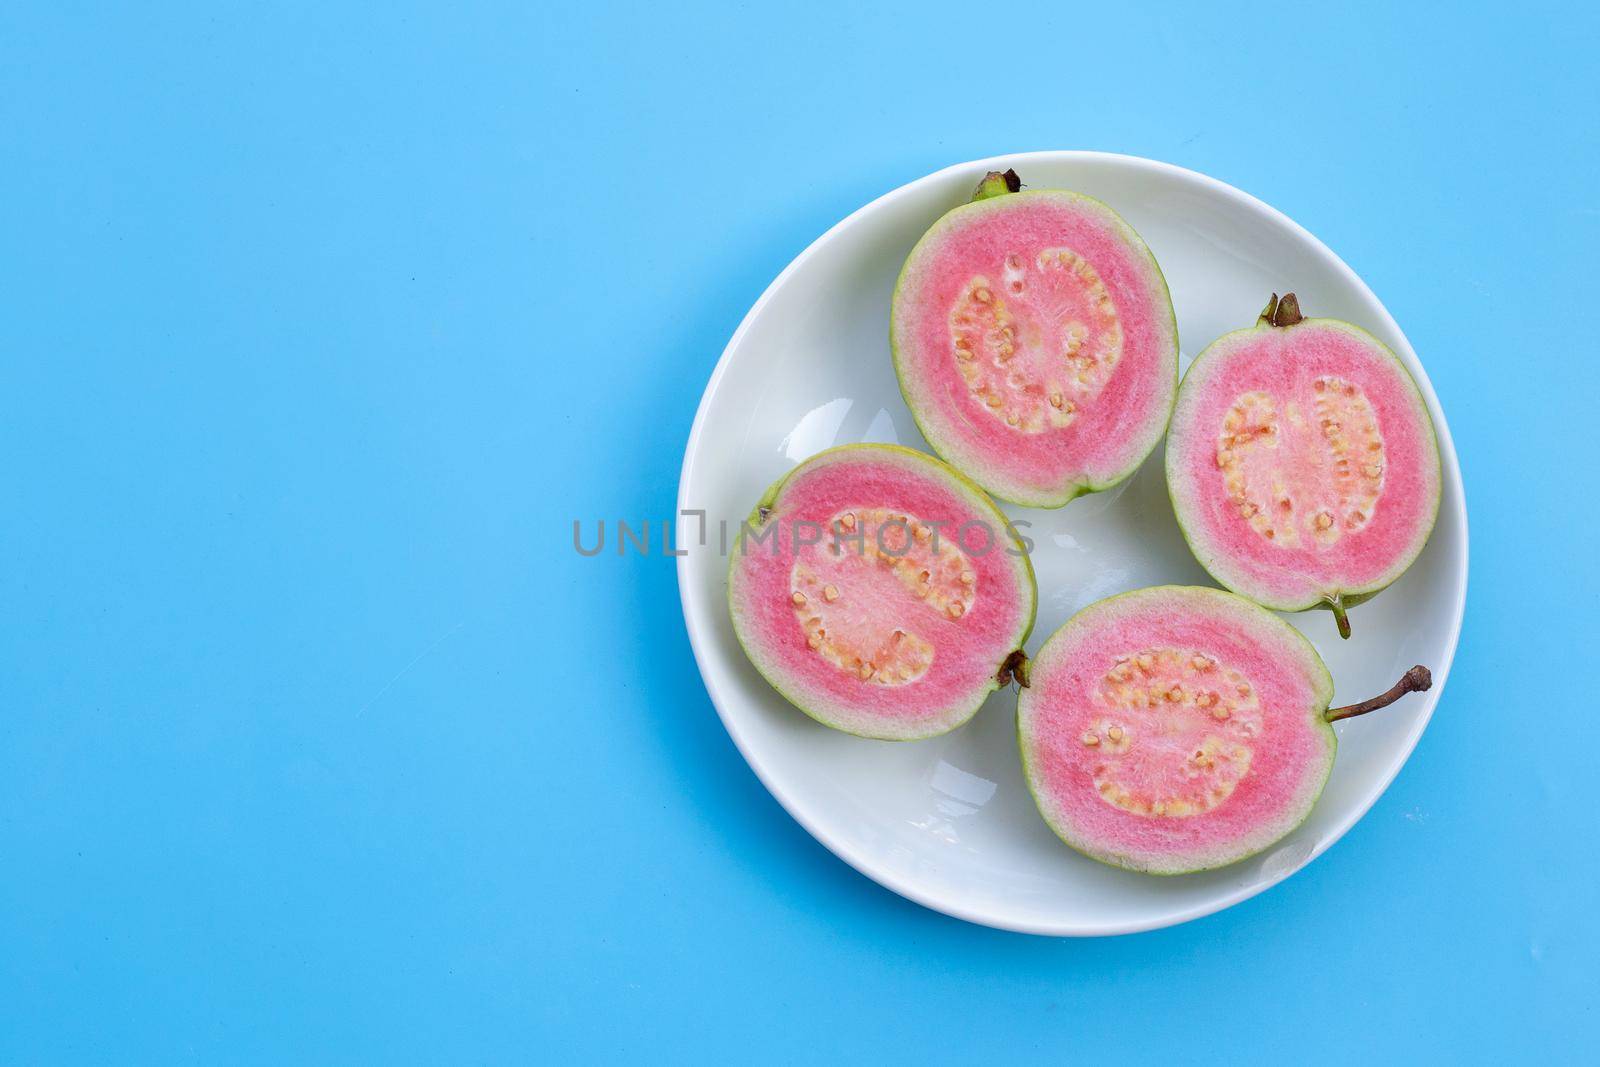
(949, 822)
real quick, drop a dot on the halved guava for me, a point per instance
(881, 592)
(1302, 463)
(1035, 343)
(1177, 729)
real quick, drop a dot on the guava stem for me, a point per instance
(997, 183)
(1417, 680)
(1288, 311)
(1341, 618)
(1265, 318)
(1285, 312)
(1014, 669)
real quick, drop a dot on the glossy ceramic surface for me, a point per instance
(949, 822)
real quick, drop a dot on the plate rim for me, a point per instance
(907, 887)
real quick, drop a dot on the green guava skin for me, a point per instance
(997, 186)
(755, 519)
(1318, 711)
(1339, 601)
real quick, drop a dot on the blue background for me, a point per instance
(320, 325)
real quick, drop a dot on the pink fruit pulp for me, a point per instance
(1286, 364)
(872, 602)
(1115, 428)
(1290, 753)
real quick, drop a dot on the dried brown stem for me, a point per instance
(1284, 312)
(1418, 679)
(1288, 311)
(997, 183)
(1014, 669)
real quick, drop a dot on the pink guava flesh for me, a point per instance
(1035, 344)
(880, 592)
(1175, 729)
(1302, 464)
